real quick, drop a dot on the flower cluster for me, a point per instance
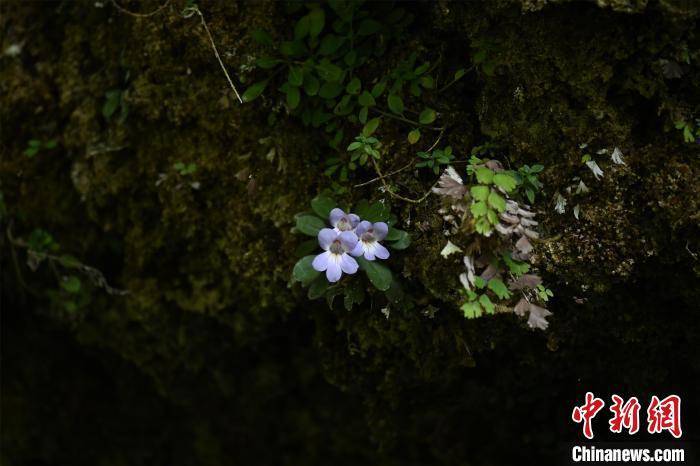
(350, 237)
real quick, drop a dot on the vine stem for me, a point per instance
(398, 196)
(195, 9)
(405, 167)
(406, 120)
(442, 89)
(140, 15)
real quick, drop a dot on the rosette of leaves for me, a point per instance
(351, 287)
(435, 159)
(365, 145)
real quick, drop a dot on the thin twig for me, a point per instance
(398, 196)
(140, 15)
(94, 274)
(194, 9)
(437, 141)
(406, 120)
(373, 180)
(455, 80)
(405, 167)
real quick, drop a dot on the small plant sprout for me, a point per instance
(34, 146)
(370, 234)
(336, 258)
(185, 169)
(691, 132)
(528, 179)
(434, 159)
(363, 147)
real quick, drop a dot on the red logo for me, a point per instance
(665, 415)
(587, 412)
(625, 415)
(662, 415)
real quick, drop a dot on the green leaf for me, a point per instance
(471, 309)
(330, 44)
(329, 72)
(530, 195)
(395, 103)
(482, 226)
(350, 58)
(309, 224)
(378, 89)
(375, 212)
(254, 91)
(301, 29)
(414, 136)
(480, 192)
(402, 242)
(317, 19)
(318, 287)
(422, 69)
(499, 288)
(486, 304)
(478, 209)
(304, 272)
(516, 267)
(379, 275)
(427, 116)
(459, 73)
(293, 97)
(311, 84)
(306, 248)
(262, 37)
(366, 99)
(354, 146)
(484, 175)
(296, 76)
(354, 86)
(322, 205)
(497, 201)
(113, 98)
(362, 116)
(505, 181)
(393, 234)
(368, 27)
(330, 90)
(71, 284)
(370, 127)
(492, 217)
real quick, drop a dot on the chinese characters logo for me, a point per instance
(662, 415)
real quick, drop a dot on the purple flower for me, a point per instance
(342, 221)
(369, 237)
(335, 260)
